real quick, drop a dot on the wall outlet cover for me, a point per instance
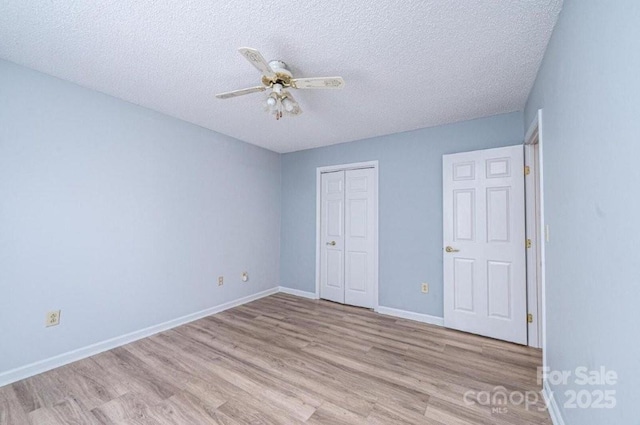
(53, 318)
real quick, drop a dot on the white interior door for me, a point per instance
(359, 238)
(332, 237)
(484, 237)
(347, 237)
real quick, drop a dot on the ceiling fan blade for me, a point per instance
(241, 92)
(256, 59)
(318, 83)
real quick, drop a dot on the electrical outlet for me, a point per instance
(53, 318)
(245, 276)
(425, 288)
(220, 280)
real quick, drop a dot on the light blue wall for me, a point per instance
(588, 88)
(120, 216)
(410, 205)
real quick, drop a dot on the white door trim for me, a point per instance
(535, 282)
(344, 167)
(532, 223)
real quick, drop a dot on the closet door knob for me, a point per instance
(332, 243)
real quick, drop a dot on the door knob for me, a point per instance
(451, 249)
(332, 243)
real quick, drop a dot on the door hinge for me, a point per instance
(528, 243)
(527, 170)
(529, 318)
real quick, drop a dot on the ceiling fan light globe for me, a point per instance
(288, 104)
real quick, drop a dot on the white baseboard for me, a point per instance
(298, 293)
(23, 372)
(552, 405)
(418, 317)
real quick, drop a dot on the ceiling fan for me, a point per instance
(277, 78)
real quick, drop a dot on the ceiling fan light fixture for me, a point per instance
(281, 103)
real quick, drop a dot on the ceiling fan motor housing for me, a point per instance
(283, 75)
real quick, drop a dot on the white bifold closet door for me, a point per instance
(347, 237)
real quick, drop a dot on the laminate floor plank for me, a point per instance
(308, 378)
(337, 374)
(11, 411)
(129, 407)
(287, 360)
(42, 390)
(66, 412)
(332, 414)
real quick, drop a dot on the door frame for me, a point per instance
(345, 167)
(536, 231)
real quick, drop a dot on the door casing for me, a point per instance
(536, 231)
(345, 167)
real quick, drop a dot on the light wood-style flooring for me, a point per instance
(285, 360)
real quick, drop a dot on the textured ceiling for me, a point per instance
(407, 64)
